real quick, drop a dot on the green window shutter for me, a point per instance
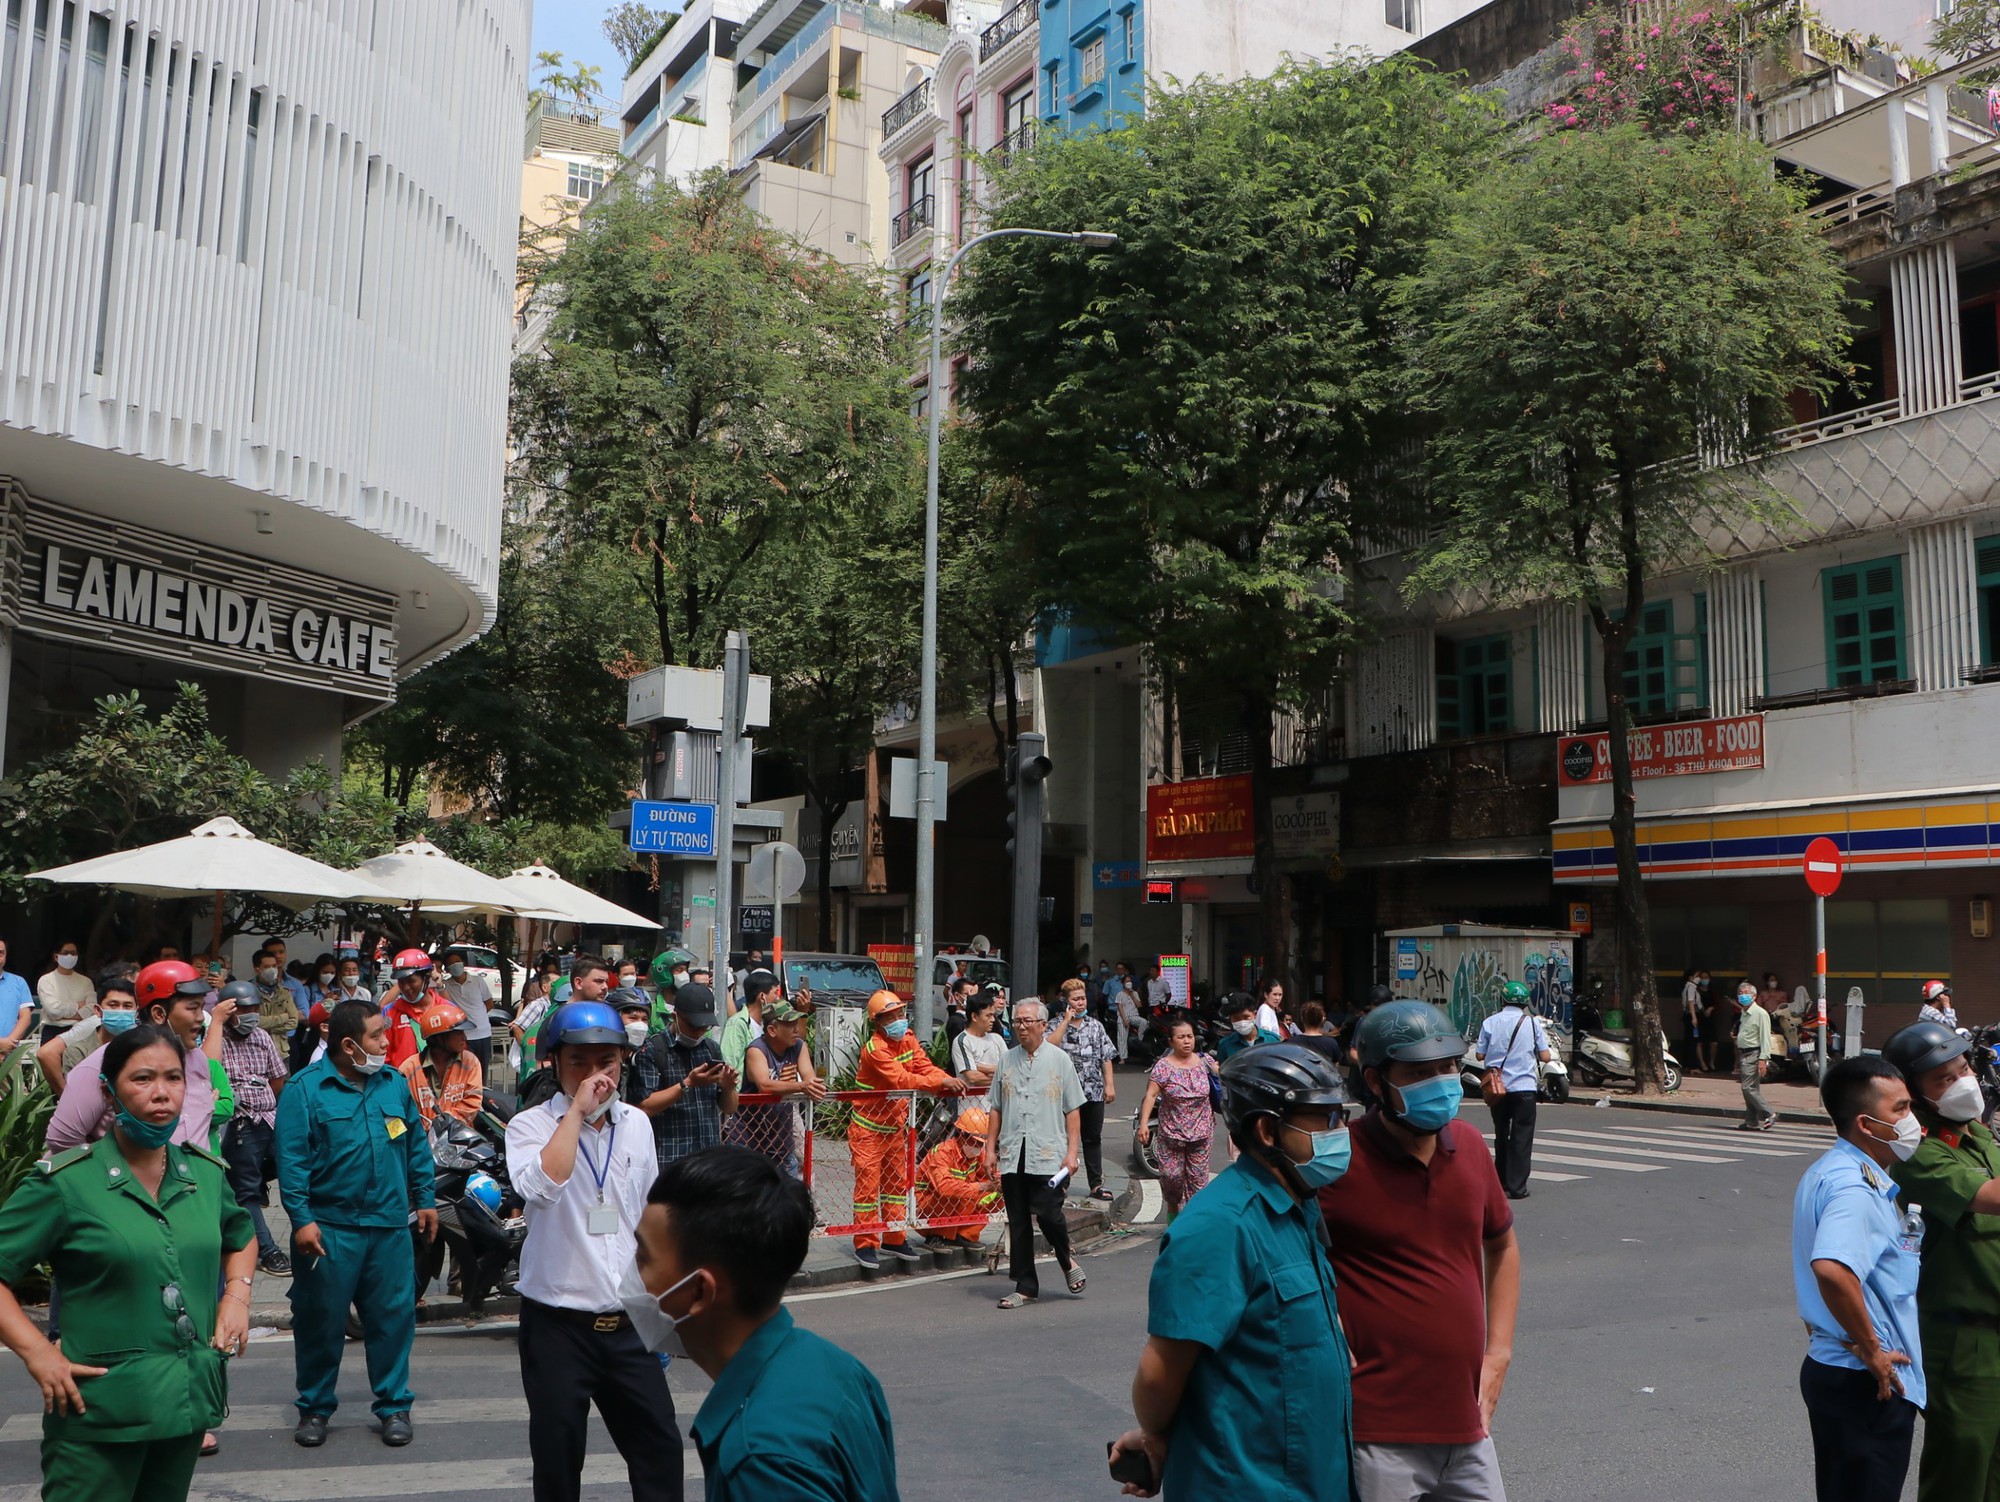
(1474, 687)
(1864, 622)
(1449, 718)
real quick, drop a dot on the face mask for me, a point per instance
(657, 1329)
(457, 971)
(894, 1031)
(350, 983)
(239, 1027)
(145, 1133)
(635, 1033)
(1331, 1151)
(1246, 1027)
(598, 1112)
(370, 1062)
(66, 961)
(1909, 1136)
(116, 1022)
(1963, 1101)
(1429, 1104)
(326, 977)
(1744, 998)
(268, 976)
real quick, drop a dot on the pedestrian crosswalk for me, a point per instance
(1572, 1145)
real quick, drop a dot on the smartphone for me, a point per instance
(1130, 1469)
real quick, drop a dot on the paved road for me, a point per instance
(1658, 1358)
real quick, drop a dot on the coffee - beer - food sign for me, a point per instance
(107, 584)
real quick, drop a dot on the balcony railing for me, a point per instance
(1013, 21)
(918, 216)
(1020, 138)
(906, 109)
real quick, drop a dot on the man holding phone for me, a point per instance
(689, 1089)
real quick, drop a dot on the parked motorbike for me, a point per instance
(1601, 1058)
(1551, 1075)
(1986, 1066)
(480, 1217)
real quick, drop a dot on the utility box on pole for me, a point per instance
(1027, 803)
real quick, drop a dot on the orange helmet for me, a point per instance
(883, 1002)
(972, 1121)
(163, 980)
(411, 959)
(440, 1017)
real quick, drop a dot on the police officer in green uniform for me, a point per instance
(353, 1157)
(140, 1235)
(1955, 1176)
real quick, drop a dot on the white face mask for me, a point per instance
(598, 1112)
(657, 1329)
(457, 970)
(1246, 1027)
(635, 1033)
(326, 977)
(350, 983)
(1909, 1136)
(370, 1062)
(66, 961)
(1963, 1101)
(267, 976)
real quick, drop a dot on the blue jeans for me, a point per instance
(246, 1148)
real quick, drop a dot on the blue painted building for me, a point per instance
(1093, 62)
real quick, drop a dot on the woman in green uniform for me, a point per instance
(140, 1235)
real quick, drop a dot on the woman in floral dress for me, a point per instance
(1178, 1087)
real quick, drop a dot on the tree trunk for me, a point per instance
(1275, 911)
(829, 815)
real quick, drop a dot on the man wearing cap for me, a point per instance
(256, 1075)
(878, 1134)
(1937, 1005)
(1955, 1176)
(1242, 1388)
(688, 1087)
(1430, 1275)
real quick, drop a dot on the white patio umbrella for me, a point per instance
(218, 858)
(551, 896)
(423, 876)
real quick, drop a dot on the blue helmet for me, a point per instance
(484, 1188)
(585, 1022)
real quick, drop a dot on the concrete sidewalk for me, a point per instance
(1714, 1095)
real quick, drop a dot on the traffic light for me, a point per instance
(1027, 800)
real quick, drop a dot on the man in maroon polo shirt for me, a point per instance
(1428, 1270)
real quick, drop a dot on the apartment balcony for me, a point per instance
(1013, 22)
(918, 216)
(911, 107)
(1020, 138)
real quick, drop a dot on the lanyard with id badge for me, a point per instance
(602, 1219)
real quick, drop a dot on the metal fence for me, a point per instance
(876, 1161)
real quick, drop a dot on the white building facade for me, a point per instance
(256, 289)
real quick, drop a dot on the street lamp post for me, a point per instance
(927, 694)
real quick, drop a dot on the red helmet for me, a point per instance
(163, 980)
(440, 1017)
(411, 960)
(1933, 989)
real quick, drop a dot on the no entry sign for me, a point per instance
(1822, 867)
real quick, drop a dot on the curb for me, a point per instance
(1676, 1107)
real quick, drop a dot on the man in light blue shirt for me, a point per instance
(1511, 1041)
(17, 1006)
(1854, 1269)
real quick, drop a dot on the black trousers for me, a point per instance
(246, 1152)
(1861, 1445)
(1090, 1125)
(483, 1048)
(1514, 1139)
(566, 1364)
(1029, 1202)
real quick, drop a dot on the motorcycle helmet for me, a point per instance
(410, 962)
(242, 993)
(1922, 1047)
(1410, 1032)
(441, 1017)
(1514, 994)
(1933, 989)
(584, 1022)
(1380, 995)
(163, 980)
(484, 1188)
(1275, 1079)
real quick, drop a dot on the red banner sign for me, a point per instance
(898, 963)
(1687, 749)
(1210, 818)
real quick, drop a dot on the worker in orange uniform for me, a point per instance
(951, 1185)
(446, 1076)
(879, 1136)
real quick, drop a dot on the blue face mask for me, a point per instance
(145, 1133)
(894, 1031)
(116, 1022)
(1331, 1152)
(1429, 1104)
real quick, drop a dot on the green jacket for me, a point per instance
(116, 1252)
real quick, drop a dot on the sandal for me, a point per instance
(1017, 1301)
(210, 1445)
(1101, 1193)
(1073, 1275)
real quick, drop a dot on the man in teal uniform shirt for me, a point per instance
(1242, 1388)
(792, 1417)
(352, 1159)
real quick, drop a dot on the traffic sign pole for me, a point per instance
(1822, 867)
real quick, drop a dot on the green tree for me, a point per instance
(1186, 410)
(707, 388)
(1600, 309)
(573, 90)
(634, 30)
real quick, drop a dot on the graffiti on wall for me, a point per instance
(1466, 978)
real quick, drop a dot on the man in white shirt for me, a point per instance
(583, 1162)
(976, 1053)
(470, 994)
(1511, 1041)
(1158, 992)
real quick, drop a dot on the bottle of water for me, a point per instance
(1912, 1239)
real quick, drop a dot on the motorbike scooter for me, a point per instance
(1601, 1058)
(1551, 1075)
(480, 1217)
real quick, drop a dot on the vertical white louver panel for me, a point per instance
(1942, 598)
(1563, 661)
(1735, 640)
(1394, 698)
(1923, 286)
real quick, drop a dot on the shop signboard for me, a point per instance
(1690, 748)
(1177, 970)
(1305, 825)
(1207, 818)
(898, 964)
